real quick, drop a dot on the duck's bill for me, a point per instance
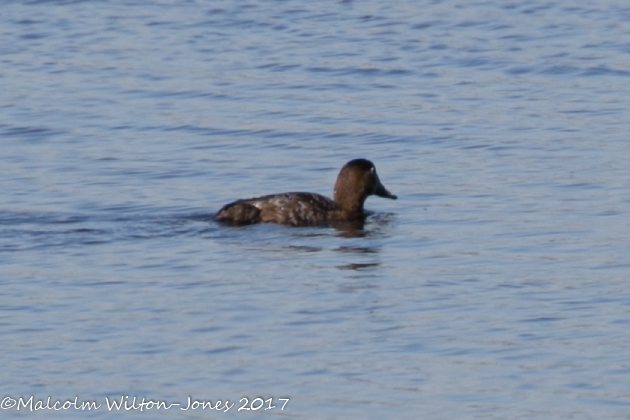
(381, 191)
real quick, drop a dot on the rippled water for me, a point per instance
(495, 287)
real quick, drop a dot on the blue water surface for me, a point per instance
(495, 287)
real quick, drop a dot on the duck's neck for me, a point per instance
(351, 203)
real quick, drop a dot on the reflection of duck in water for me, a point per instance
(357, 180)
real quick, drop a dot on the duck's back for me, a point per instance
(297, 208)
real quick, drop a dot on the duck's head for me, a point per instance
(358, 180)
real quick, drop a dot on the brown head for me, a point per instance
(358, 180)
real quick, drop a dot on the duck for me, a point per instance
(356, 181)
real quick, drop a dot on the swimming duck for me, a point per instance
(357, 180)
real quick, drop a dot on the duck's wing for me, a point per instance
(295, 208)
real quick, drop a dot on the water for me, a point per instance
(494, 287)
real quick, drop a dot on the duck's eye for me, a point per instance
(372, 169)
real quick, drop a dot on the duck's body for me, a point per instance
(294, 208)
(356, 181)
